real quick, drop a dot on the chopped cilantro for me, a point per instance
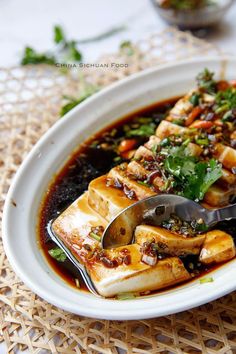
(59, 35)
(226, 103)
(206, 82)
(30, 56)
(192, 177)
(74, 101)
(194, 99)
(65, 51)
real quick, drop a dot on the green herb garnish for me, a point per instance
(226, 104)
(194, 99)
(206, 82)
(59, 35)
(30, 56)
(145, 130)
(206, 280)
(74, 101)
(126, 296)
(58, 254)
(95, 236)
(127, 48)
(65, 51)
(192, 177)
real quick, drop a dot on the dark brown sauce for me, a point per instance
(87, 163)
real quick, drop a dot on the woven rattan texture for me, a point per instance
(30, 99)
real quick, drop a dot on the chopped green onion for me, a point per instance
(144, 183)
(186, 142)
(206, 280)
(95, 236)
(58, 254)
(227, 116)
(77, 283)
(117, 159)
(126, 296)
(154, 148)
(202, 141)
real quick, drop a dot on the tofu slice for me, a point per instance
(181, 109)
(143, 153)
(167, 241)
(166, 129)
(107, 201)
(138, 276)
(152, 142)
(227, 179)
(218, 247)
(120, 175)
(226, 155)
(218, 196)
(134, 168)
(74, 225)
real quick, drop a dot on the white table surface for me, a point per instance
(27, 22)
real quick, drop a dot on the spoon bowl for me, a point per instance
(153, 211)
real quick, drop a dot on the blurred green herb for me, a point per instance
(145, 130)
(127, 48)
(65, 50)
(206, 82)
(74, 101)
(59, 35)
(30, 56)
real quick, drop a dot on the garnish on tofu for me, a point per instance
(186, 147)
(58, 254)
(183, 227)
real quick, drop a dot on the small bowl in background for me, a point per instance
(204, 17)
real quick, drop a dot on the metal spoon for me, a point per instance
(156, 209)
(72, 258)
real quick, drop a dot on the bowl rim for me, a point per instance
(100, 313)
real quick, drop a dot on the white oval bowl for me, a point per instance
(51, 153)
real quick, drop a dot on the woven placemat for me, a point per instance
(30, 100)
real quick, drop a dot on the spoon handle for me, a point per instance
(222, 214)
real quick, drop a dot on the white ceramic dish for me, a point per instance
(51, 152)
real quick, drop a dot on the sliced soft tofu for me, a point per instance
(227, 179)
(181, 109)
(143, 153)
(218, 247)
(74, 225)
(119, 175)
(166, 129)
(137, 276)
(218, 196)
(134, 168)
(167, 241)
(226, 155)
(107, 201)
(152, 142)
